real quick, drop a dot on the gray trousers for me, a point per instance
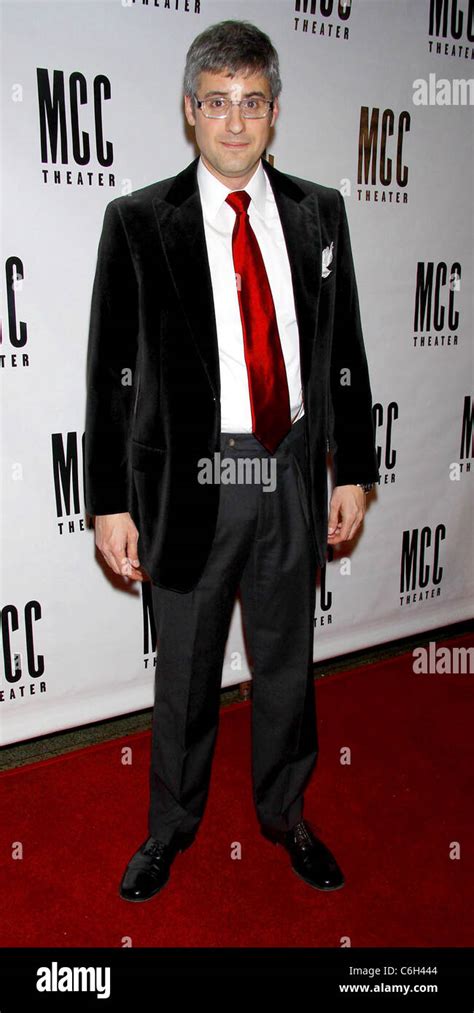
(262, 548)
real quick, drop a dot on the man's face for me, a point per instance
(231, 147)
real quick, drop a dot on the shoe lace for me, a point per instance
(154, 848)
(302, 834)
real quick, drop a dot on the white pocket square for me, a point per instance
(327, 259)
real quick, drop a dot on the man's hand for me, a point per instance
(117, 538)
(346, 513)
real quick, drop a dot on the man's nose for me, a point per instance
(234, 120)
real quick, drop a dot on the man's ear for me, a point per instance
(189, 110)
(275, 111)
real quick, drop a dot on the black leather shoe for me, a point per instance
(310, 858)
(149, 868)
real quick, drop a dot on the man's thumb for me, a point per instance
(133, 548)
(332, 521)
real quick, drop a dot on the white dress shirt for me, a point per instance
(219, 219)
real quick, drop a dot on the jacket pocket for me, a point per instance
(146, 458)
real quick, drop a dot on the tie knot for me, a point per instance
(239, 200)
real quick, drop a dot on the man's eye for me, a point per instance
(251, 103)
(216, 103)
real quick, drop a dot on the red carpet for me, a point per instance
(390, 817)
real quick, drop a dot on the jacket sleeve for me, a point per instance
(350, 409)
(110, 371)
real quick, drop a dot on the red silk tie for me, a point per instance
(268, 385)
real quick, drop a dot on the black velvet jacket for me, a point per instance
(153, 399)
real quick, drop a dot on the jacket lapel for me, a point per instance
(299, 216)
(180, 223)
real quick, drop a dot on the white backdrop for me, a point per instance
(77, 647)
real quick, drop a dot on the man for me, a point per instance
(229, 291)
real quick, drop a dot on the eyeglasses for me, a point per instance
(218, 107)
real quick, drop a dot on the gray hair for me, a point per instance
(235, 46)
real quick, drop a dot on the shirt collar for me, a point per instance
(213, 193)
